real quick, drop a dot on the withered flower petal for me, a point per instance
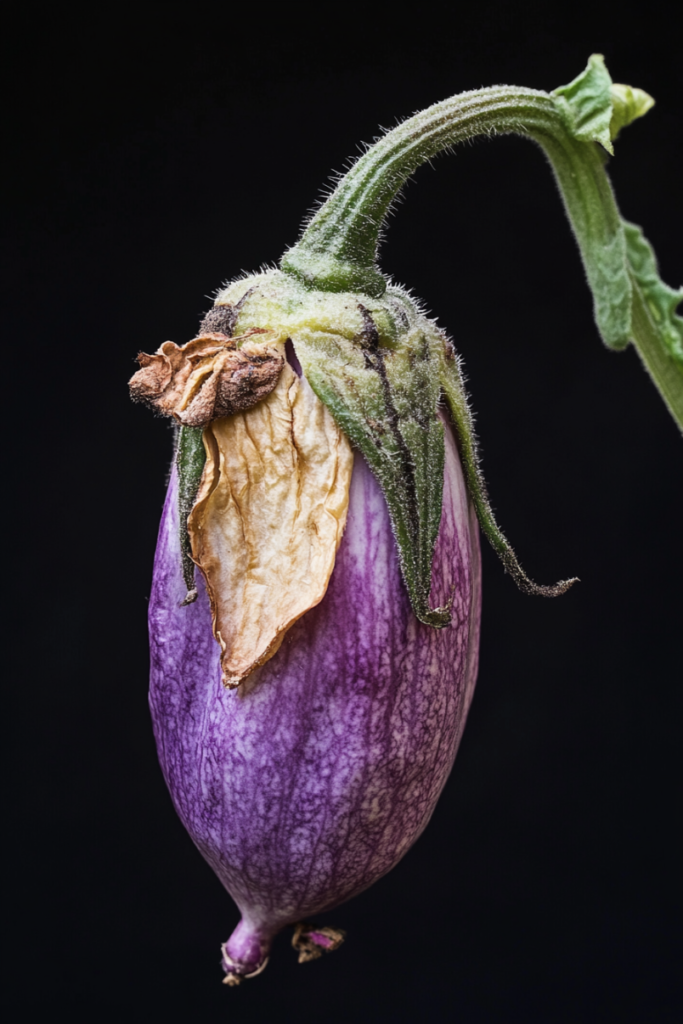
(207, 378)
(269, 518)
(231, 381)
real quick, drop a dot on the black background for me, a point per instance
(153, 156)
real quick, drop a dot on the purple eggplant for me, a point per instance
(310, 780)
(315, 612)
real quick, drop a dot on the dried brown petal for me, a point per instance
(156, 372)
(207, 378)
(229, 382)
(269, 517)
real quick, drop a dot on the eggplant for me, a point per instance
(314, 619)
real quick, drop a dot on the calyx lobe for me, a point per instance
(386, 401)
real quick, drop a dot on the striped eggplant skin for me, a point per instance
(311, 780)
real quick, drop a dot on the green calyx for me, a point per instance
(374, 364)
(382, 368)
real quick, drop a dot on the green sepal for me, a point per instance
(386, 401)
(190, 459)
(585, 104)
(456, 397)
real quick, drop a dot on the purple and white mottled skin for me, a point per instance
(309, 782)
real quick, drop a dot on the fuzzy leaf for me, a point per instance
(657, 330)
(586, 104)
(662, 301)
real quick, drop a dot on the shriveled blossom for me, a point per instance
(314, 617)
(208, 378)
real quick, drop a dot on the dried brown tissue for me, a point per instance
(269, 517)
(209, 377)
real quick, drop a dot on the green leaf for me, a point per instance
(661, 300)
(386, 400)
(586, 104)
(456, 396)
(657, 330)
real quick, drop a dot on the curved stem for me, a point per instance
(574, 126)
(338, 249)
